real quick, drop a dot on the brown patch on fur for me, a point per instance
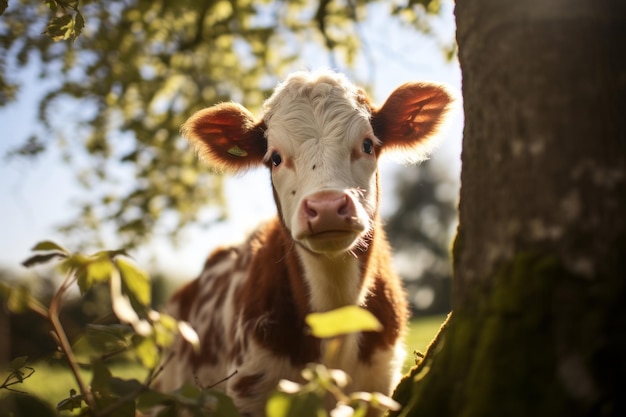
(386, 299)
(217, 257)
(221, 284)
(391, 311)
(184, 299)
(245, 386)
(211, 345)
(275, 300)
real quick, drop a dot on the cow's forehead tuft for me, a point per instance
(322, 91)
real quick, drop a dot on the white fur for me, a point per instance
(333, 283)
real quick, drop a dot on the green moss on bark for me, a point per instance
(527, 347)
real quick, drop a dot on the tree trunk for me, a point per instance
(539, 322)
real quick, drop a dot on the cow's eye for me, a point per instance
(276, 158)
(368, 146)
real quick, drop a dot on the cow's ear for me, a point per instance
(226, 136)
(409, 119)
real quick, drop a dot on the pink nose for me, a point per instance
(328, 211)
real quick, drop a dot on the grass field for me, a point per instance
(52, 383)
(421, 332)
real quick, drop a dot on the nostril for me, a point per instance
(309, 211)
(343, 209)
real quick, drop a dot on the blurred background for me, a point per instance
(91, 157)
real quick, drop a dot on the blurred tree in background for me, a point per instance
(121, 85)
(420, 231)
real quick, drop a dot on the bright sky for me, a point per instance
(37, 195)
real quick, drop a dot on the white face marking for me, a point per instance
(321, 148)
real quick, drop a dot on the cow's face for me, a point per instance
(321, 149)
(320, 137)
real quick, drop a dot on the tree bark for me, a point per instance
(539, 297)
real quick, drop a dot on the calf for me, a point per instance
(320, 138)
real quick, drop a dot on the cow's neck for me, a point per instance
(333, 282)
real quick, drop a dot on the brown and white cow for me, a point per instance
(320, 138)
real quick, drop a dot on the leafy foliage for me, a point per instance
(141, 332)
(145, 333)
(67, 23)
(126, 81)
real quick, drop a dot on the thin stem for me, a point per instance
(16, 380)
(202, 387)
(155, 373)
(109, 355)
(64, 343)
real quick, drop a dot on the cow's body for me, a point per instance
(321, 138)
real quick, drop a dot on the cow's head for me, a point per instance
(321, 138)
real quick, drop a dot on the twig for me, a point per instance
(7, 382)
(152, 376)
(199, 384)
(64, 343)
(109, 355)
(14, 390)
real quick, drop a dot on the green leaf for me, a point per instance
(165, 328)
(136, 281)
(52, 4)
(42, 259)
(60, 28)
(111, 334)
(99, 269)
(147, 351)
(70, 403)
(77, 264)
(224, 407)
(48, 245)
(344, 320)
(124, 387)
(237, 151)
(90, 269)
(304, 404)
(168, 322)
(100, 378)
(150, 398)
(171, 411)
(79, 24)
(18, 362)
(16, 371)
(19, 298)
(188, 394)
